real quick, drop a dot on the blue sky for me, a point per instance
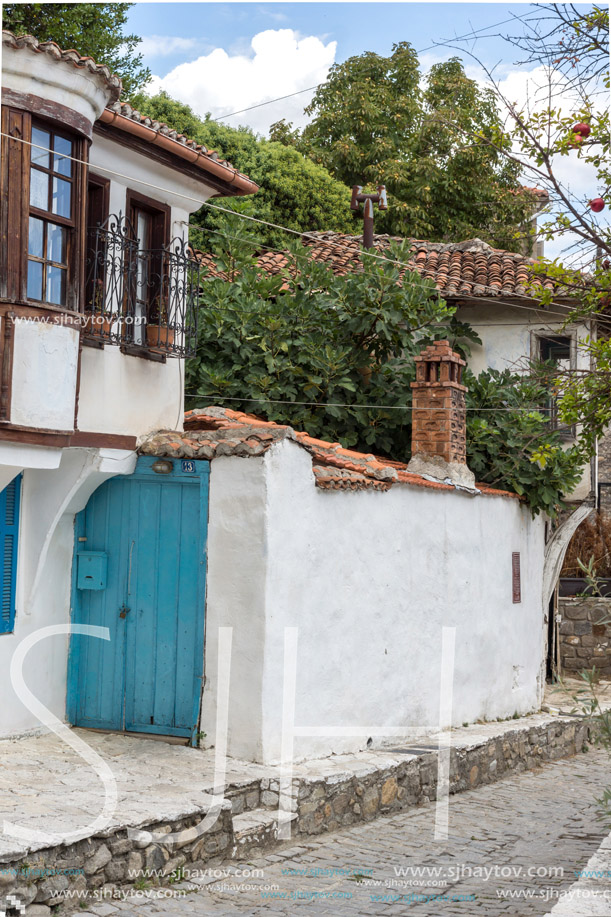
(225, 57)
(356, 27)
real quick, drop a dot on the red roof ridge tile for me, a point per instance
(334, 467)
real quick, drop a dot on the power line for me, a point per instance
(290, 95)
(372, 407)
(303, 235)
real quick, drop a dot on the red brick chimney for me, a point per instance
(439, 431)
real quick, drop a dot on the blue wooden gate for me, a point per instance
(139, 569)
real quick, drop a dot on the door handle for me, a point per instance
(124, 611)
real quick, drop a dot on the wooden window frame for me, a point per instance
(159, 237)
(540, 341)
(46, 215)
(15, 206)
(102, 185)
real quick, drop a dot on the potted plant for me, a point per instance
(159, 334)
(98, 322)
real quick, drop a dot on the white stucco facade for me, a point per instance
(511, 338)
(73, 412)
(369, 579)
(45, 365)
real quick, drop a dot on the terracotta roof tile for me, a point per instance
(459, 269)
(126, 111)
(72, 57)
(221, 431)
(116, 107)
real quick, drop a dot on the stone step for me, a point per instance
(255, 830)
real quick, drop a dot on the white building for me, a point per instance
(130, 555)
(96, 317)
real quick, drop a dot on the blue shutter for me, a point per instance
(9, 530)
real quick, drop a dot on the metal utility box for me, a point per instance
(91, 569)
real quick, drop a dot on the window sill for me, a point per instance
(130, 350)
(137, 350)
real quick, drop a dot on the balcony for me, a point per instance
(144, 301)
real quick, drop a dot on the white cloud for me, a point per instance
(281, 62)
(164, 45)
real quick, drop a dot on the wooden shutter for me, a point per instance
(9, 530)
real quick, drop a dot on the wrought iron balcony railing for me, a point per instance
(138, 297)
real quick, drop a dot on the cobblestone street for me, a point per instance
(513, 848)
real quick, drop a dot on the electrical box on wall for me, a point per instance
(91, 569)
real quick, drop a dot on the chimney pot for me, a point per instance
(439, 417)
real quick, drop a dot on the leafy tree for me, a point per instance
(574, 48)
(374, 122)
(334, 355)
(294, 191)
(94, 29)
(510, 443)
(310, 336)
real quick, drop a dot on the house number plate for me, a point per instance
(187, 466)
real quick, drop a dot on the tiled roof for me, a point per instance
(55, 53)
(126, 111)
(220, 431)
(460, 270)
(123, 109)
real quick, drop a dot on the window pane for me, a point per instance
(39, 189)
(61, 197)
(34, 280)
(56, 285)
(56, 243)
(41, 138)
(35, 238)
(60, 164)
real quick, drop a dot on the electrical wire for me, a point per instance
(290, 95)
(370, 407)
(303, 235)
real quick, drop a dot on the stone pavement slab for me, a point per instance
(513, 848)
(46, 786)
(590, 895)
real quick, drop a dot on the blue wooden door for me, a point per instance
(139, 569)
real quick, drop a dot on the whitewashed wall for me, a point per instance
(51, 494)
(45, 363)
(509, 341)
(369, 579)
(508, 334)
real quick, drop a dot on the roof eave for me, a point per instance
(237, 183)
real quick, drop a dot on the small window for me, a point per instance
(557, 350)
(51, 221)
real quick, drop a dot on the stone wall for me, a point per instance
(325, 806)
(585, 635)
(116, 858)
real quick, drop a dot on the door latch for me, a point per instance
(124, 611)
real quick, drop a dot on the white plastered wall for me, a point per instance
(56, 484)
(369, 579)
(120, 393)
(509, 341)
(45, 363)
